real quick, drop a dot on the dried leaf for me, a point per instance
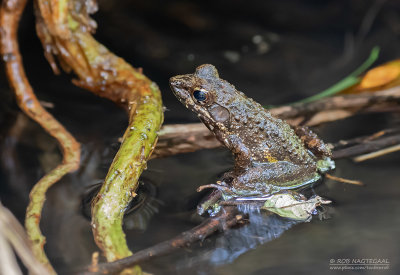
(378, 78)
(294, 207)
(381, 75)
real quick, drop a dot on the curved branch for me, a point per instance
(64, 28)
(10, 14)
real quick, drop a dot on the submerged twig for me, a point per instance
(10, 14)
(227, 218)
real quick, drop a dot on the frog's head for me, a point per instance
(207, 95)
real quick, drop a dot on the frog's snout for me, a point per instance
(173, 80)
(174, 83)
(176, 87)
(179, 86)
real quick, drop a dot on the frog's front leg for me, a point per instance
(312, 142)
(210, 203)
(242, 154)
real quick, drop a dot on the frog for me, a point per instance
(270, 156)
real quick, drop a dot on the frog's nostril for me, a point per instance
(174, 82)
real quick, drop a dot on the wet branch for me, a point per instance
(226, 219)
(67, 36)
(10, 14)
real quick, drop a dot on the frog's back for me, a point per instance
(268, 138)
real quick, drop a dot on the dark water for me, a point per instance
(275, 52)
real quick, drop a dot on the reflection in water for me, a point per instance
(139, 211)
(262, 228)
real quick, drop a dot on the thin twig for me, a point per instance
(10, 14)
(338, 179)
(367, 147)
(226, 219)
(378, 153)
(363, 139)
(12, 230)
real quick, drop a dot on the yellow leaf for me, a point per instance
(381, 75)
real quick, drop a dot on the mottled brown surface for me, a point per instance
(268, 153)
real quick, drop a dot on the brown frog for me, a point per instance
(269, 155)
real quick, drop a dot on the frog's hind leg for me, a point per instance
(266, 179)
(312, 142)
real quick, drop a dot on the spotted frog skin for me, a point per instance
(269, 155)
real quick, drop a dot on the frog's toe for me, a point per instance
(326, 164)
(223, 188)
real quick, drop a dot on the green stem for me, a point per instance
(121, 181)
(106, 75)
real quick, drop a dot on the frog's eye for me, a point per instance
(200, 95)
